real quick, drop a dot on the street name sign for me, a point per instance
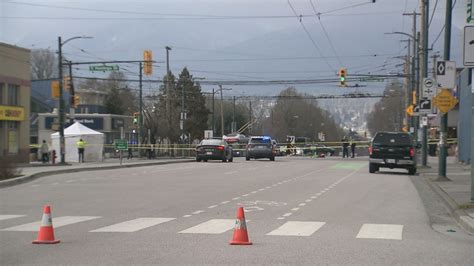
(121, 144)
(104, 68)
(468, 47)
(429, 88)
(445, 101)
(446, 74)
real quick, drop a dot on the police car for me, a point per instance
(260, 147)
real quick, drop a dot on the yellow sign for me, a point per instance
(445, 100)
(409, 110)
(55, 89)
(12, 113)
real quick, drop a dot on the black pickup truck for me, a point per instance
(392, 150)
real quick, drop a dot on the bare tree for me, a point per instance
(43, 64)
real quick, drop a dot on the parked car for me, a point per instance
(214, 149)
(321, 149)
(392, 150)
(260, 147)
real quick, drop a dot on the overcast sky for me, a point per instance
(199, 30)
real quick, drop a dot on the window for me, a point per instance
(1, 92)
(13, 140)
(13, 93)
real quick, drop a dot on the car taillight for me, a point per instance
(221, 148)
(370, 150)
(412, 152)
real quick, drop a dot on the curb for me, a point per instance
(28, 178)
(461, 217)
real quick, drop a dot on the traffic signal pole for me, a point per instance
(444, 117)
(140, 116)
(424, 72)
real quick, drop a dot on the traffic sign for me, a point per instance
(121, 144)
(104, 68)
(412, 110)
(468, 48)
(445, 100)
(446, 74)
(429, 90)
(425, 106)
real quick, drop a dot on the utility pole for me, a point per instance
(250, 118)
(424, 72)
(222, 112)
(183, 114)
(61, 103)
(444, 117)
(234, 128)
(213, 112)
(140, 117)
(167, 88)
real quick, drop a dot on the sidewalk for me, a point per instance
(35, 170)
(456, 193)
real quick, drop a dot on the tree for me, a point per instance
(120, 99)
(44, 64)
(167, 105)
(388, 113)
(194, 104)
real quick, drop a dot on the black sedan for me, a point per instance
(214, 149)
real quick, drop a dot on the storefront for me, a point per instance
(14, 102)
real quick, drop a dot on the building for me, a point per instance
(14, 102)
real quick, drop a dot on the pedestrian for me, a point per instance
(44, 149)
(81, 145)
(345, 148)
(353, 148)
(130, 153)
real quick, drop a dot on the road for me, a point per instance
(298, 211)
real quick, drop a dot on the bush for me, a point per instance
(8, 168)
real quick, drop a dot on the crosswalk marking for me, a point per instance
(214, 226)
(133, 225)
(295, 228)
(57, 222)
(6, 216)
(381, 231)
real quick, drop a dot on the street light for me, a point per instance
(61, 101)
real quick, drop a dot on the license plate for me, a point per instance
(209, 153)
(390, 160)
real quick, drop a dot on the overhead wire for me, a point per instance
(309, 35)
(432, 14)
(443, 28)
(326, 33)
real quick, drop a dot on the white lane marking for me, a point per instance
(7, 216)
(55, 183)
(245, 195)
(302, 204)
(198, 212)
(236, 198)
(230, 173)
(70, 181)
(313, 197)
(268, 187)
(214, 226)
(294, 228)
(308, 200)
(187, 215)
(212, 207)
(253, 192)
(319, 194)
(279, 183)
(295, 209)
(274, 185)
(381, 231)
(287, 214)
(262, 189)
(225, 202)
(133, 225)
(281, 218)
(57, 222)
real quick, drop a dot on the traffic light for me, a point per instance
(135, 118)
(342, 77)
(55, 89)
(147, 66)
(75, 100)
(67, 83)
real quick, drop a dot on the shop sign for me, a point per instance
(12, 113)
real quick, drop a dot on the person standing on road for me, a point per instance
(130, 153)
(44, 149)
(81, 145)
(345, 148)
(353, 148)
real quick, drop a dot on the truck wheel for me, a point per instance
(373, 168)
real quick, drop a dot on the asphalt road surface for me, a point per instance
(298, 211)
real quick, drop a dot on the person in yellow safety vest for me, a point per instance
(80, 148)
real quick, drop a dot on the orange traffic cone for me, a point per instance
(240, 230)
(46, 232)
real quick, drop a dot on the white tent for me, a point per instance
(94, 143)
